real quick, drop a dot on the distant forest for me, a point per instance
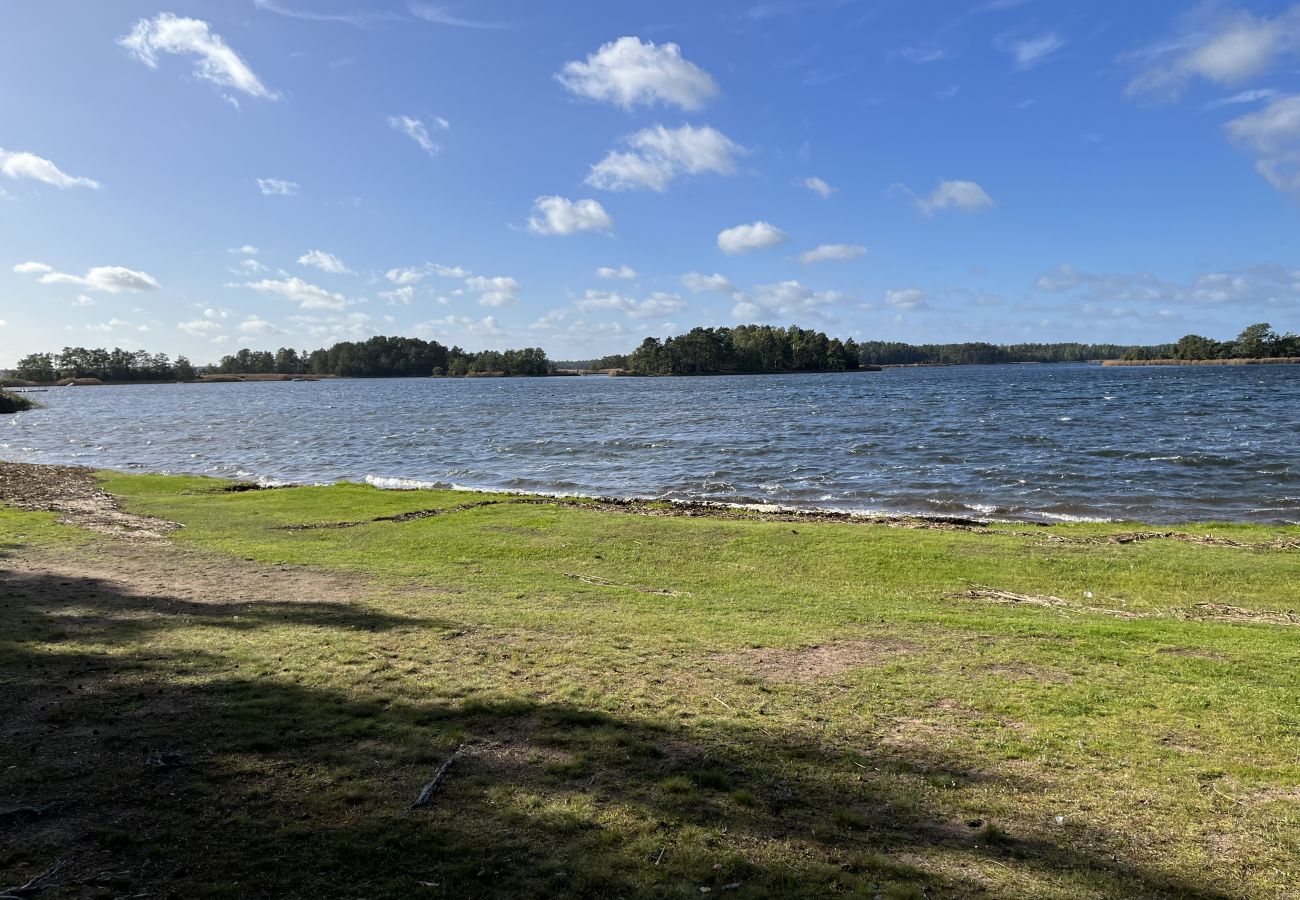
(701, 351)
(378, 357)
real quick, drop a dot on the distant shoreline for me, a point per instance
(1260, 361)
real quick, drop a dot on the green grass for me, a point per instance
(641, 713)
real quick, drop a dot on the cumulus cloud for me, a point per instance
(24, 165)
(908, 298)
(419, 132)
(500, 290)
(402, 295)
(1030, 52)
(560, 216)
(657, 156)
(326, 262)
(405, 275)
(963, 196)
(1222, 47)
(248, 266)
(626, 273)
(699, 283)
(1273, 135)
(629, 71)
(306, 295)
(754, 236)
(784, 298)
(199, 327)
(818, 187)
(1261, 286)
(335, 328)
(657, 304)
(109, 279)
(215, 61)
(277, 187)
(832, 253)
(255, 324)
(246, 250)
(486, 326)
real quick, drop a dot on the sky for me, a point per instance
(195, 177)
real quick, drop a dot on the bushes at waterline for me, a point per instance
(15, 403)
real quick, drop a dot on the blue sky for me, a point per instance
(199, 176)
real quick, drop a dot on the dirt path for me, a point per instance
(74, 492)
(140, 561)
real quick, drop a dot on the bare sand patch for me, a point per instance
(818, 661)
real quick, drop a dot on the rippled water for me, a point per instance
(1042, 442)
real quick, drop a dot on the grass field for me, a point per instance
(639, 704)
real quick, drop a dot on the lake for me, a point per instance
(1022, 442)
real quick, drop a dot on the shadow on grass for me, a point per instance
(151, 765)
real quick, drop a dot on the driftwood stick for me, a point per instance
(35, 810)
(426, 795)
(34, 886)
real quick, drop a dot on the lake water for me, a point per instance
(1026, 442)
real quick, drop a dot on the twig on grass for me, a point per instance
(33, 886)
(426, 795)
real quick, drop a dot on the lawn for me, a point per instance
(638, 704)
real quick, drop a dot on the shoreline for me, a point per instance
(685, 507)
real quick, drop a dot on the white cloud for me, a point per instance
(501, 290)
(1031, 52)
(277, 187)
(908, 298)
(419, 132)
(784, 298)
(199, 327)
(403, 295)
(326, 262)
(699, 283)
(818, 186)
(404, 275)
(84, 300)
(248, 267)
(335, 328)
(246, 250)
(628, 72)
(255, 324)
(659, 155)
(20, 164)
(560, 216)
(657, 304)
(1273, 135)
(1225, 48)
(1262, 287)
(439, 15)
(109, 279)
(832, 253)
(307, 296)
(964, 196)
(755, 236)
(626, 273)
(486, 326)
(1243, 97)
(922, 53)
(216, 62)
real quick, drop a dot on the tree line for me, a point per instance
(378, 357)
(106, 365)
(1258, 341)
(745, 348)
(700, 351)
